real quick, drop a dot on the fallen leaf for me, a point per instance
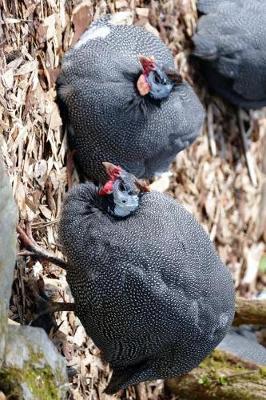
(253, 256)
(40, 172)
(8, 78)
(27, 67)
(46, 212)
(80, 336)
(81, 20)
(49, 23)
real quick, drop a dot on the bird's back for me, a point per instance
(230, 40)
(97, 87)
(149, 288)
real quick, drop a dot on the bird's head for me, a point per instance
(154, 80)
(122, 191)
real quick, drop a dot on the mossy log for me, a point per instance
(251, 312)
(221, 376)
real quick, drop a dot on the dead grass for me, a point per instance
(210, 178)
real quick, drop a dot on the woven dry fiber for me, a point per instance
(210, 178)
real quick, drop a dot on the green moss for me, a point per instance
(40, 382)
(263, 371)
(9, 383)
(222, 369)
(3, 318)
(222, 364)
(204, 380)
(221, 376)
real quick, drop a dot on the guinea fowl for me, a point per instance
(231, 44)
(122, 100)
(148, 285)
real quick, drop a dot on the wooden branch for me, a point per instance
(35, 250)
(221, 376)
(261, 220)
(50, 308)
(141, 392)
(250, 312)
(56, 307)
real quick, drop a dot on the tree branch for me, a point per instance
(250, 312)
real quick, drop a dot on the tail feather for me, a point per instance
(122, 377)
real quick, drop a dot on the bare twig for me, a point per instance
(247, 154)
(35, 250)
(261, 224)
(141, 392)
(210, 131)
(56, 307)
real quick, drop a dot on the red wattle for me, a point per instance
(107, 188)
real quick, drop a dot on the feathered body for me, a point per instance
(231, 43)
(107, 118)
(149, 289)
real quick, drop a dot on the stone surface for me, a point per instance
(37, 370)
(8, 219)
(30, 366)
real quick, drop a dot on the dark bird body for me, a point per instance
(149, 288)
(231, 44)
(108, 119)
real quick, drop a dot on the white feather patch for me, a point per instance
(93, 33)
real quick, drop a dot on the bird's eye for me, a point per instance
(157, 78)
(122, 187)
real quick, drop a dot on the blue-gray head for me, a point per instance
(122, 191)
(155, 81)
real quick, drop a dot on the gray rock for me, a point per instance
(242, 342)
(30, 366)
(34, 364)
(8, 219)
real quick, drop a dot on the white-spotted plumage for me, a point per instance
(230, 41)
(106, 117)
(150, 289)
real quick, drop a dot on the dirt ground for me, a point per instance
(220, 178)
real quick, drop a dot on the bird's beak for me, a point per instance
(174, 76)
(142, 185)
